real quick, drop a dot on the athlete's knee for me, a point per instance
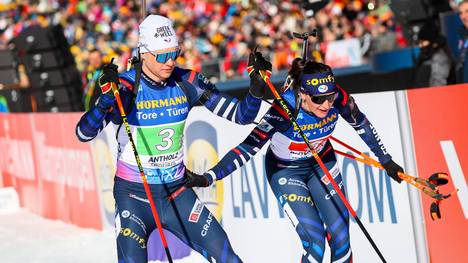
(313, 243)
(342, 253)
(340, 245)
(313, 251)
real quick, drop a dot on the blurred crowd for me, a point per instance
(210, 32)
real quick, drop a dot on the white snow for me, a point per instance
(28, 238)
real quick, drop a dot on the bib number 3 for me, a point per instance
(158, 140)
(167, 141)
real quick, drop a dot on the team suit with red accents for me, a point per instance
(157, 113)
(298, 182)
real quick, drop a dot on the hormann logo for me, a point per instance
(319, 124)
(151, 104)
(316, 81)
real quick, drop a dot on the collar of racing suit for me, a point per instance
(152, 82)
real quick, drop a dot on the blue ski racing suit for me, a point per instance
(299, 184)
(156, 113)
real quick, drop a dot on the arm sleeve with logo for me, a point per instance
(238, 111)
(351, 113)
(101, 114)
(273, 121)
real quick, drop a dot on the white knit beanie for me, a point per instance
(157, 32)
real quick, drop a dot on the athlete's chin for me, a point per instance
(166, 73)
(321, 113)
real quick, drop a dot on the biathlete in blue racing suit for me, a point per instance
(156, 111)
(298, 182)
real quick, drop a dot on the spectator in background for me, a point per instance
(435, 63)
(365, 38)
(383, 38)
(214, 32)
(462, 67)
(90, 78)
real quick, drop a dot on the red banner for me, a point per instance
(440, 129)
(17, 159)
(51, 170)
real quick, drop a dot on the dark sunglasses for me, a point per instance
(164, 57)
(321, 99)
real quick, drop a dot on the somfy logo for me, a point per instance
(316, 81)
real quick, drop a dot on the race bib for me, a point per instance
(160, 140)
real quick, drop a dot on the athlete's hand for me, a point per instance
(392, 170)
(109, 75)
(256, 64)
(197, 180)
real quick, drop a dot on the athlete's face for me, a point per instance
(159, 70)
(463, 10)
(320, 110)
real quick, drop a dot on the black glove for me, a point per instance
(196, 180)
(256, 63)
(109, 74)
(392, 170)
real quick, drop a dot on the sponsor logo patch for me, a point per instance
(334, 173)
(207, 225)
(164, 31)
(264, 126)
(297, 198)
(323, 88)
(125, 213)
(196, 211)
(128, 232)
(282, 181)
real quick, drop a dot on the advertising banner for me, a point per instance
(382, 204)
(259, 230)
(58, 177)
(17, 159)
(50, 169)
(343, 53)
(440, 128)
